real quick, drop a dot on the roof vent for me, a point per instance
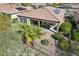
(56, 11)
(20, 8)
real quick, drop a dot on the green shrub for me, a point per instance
(44, 42)
(30, 32)
(66, 27)
(58, 36)
(65, 45)
(76, 35)
(56, 4)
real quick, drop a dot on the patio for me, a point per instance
(48, 50)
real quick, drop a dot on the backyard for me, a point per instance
(23, 39)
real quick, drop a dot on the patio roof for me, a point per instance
(46, 13)
(11, 9)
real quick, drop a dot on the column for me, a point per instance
(57, 27)
(28, 21)
(39, 23)
(18, 20)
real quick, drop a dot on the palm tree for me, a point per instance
(29, 33)
(5, 23)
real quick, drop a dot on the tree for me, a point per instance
(66, 27)
(10, 45)
(65, 45)
(5, 22)
(29, 32)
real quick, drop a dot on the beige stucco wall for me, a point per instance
(13, 16)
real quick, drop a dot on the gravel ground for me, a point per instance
(31, 52)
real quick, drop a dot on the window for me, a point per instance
(52, 24)
(23, 20)
(44, 24)
(34, 22)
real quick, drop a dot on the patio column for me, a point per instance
(57, 27)
(39, 23)
(28, 21)
(18, 20)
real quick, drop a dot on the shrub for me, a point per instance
(56, 4)
(66, 27)
(65, 45)
(75, 47)
(5, 23)
(30, 32)
(44, 42)
(58, 36)
(76, 35)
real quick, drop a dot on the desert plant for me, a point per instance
(10, 44)
(58, 36)
(65, 46)
(29, 32)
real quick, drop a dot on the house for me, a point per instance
(46, 17)
(70, 8)
(13, 9)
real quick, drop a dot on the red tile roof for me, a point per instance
(45, 13)
(10, 9)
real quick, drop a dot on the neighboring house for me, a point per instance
(46, 17)
(37, 5)
(13, 9)
(70, 8)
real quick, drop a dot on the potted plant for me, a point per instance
(44, 42)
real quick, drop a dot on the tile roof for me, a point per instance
(11, 9)
(45, 13)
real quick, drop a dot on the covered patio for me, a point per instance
(38, 22)
(46, 17)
